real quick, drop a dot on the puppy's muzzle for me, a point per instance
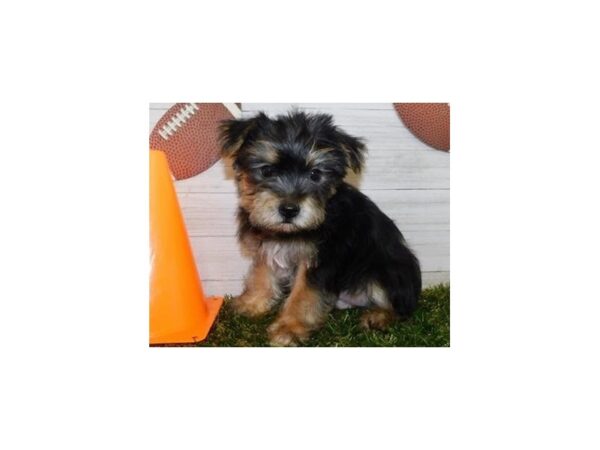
(288, 211)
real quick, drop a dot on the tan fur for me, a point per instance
(265, 210)
(377, 318)
(382, 313)
(232, 149)
(312, 214)
(266, 152)
(249, 244)
(257, 298)
(317, 154)
(246, 191)
(303, 311)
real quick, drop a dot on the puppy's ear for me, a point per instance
(354, 148)
(234, 133)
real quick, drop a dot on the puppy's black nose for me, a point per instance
(289, 210)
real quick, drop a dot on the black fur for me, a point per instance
(356, 242)
(295, 133)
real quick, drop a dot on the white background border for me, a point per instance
(522, 82)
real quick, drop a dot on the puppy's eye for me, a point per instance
(315, 175)
(267, 171)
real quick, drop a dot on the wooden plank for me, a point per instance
(418, 210)
(222, 287)
(218, 178)
(209, 214)
(155, 115)
(213, 214)
(385, 169)
(359, 122)
(433, 278)
(396, 160)
(374, 125)
(338, 106)
(416, 177)
(376, 118)
(219, 257)
(161, 106)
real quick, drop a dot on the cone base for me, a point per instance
(199, 333)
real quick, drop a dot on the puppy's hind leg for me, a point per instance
(381, 315)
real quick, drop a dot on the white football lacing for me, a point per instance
(178, 120)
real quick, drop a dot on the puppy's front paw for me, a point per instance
(287, 333)
(251, 306)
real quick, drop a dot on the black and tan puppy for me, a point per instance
(315, 240)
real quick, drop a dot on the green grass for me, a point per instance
(428, 327)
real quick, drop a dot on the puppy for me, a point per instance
(316, 241)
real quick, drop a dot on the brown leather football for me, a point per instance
(187, 133)
(430, 122)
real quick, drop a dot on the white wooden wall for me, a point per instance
(407, 179)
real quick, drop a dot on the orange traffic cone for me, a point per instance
(179, 312)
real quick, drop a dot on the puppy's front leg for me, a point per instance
(304, 310)
(257, 298)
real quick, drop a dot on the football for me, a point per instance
(430, 122)
(187, 133)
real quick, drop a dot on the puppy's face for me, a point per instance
(288, 167)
